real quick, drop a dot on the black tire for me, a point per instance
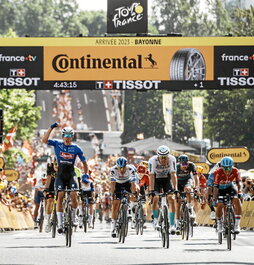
(54, 222)
(186, 222)
(41, 220)
(220, 237)
(165, 226)
(124, 223)
(229, 229)
(182, 226)
(85, 218)
(69, 228)
(137, 219)
(191, 226)
(142, 220)
(187, 64)
(93, 219)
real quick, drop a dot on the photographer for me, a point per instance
(249, 190)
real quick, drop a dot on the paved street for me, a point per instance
(97, 247)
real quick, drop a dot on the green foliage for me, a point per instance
(19, 110)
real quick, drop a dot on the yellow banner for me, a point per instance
(239, 154)
(167, 101)
(197, 106)
(118, 63)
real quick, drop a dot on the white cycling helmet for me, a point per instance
(68, 131)
(163, 150)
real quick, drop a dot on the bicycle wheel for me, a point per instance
(124, 223)
(93, 219)
(69, 228)
(191, 226)
(141, 220)
(186, 223)
(182, 222)
(229, 228)
(54, 222)
(85, 217)
(41, 217)
(137, 220)
(165, 226)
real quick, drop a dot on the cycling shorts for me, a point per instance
(60, 184)
(119, 187)
(162, 185)
(38, 197)
(184, 183)
(88, 194)
(223, 192)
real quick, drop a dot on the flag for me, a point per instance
(197, 105)
(8, 141)
(167, 103)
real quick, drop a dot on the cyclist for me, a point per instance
(106, 200)
(224, 179)
(38, 196)
(49, 192)
(162, 177)
(66, 154)
(87, 189)
(122, 176)
(186, 175)
(143, 176)
(210, 183)
(202, 185)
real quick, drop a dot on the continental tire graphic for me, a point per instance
(187, 64)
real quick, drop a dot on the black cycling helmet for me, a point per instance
(183, 158)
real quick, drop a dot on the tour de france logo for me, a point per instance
(128, 14)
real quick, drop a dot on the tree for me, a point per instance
(19, 110)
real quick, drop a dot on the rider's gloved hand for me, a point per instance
(54, 125)
(85, 178)
(240, 195)
(152, 193)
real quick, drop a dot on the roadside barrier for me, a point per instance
(247, 219)
(12, 219)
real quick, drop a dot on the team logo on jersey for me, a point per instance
(66, 155)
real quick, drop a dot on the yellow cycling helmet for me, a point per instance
(144, 164)
(199, 169)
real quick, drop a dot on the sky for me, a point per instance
(88, 5)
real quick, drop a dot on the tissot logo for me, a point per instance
(62, 63)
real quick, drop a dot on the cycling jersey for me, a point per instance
(87, 186)
(128, 176)
(222, 181)
(144, 181)
(159, 170)
(66, 153)
(184, 174)
(202, 181)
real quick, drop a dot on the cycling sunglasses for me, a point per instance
(227, 168)
(68, 135)
(163, 157)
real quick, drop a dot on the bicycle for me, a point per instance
(122, 223)
(67, 220)
(54, 218)
(139, 216)
(85, 210)
(163, 221)
(186, 222)
(228, 221)
(41, 214)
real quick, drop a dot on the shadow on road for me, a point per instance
(199, 263)
(138, 248)
(37, 247)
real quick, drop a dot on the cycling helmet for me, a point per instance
(67, 132)
(199, 169)
(227, 161)
(163, 150)
(121, 162)
(43, 176)
(183, 159)
(85, 178)
(144, 164)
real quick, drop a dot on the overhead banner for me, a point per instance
(239, 154)
(167, 104)
(127, 16)
(197, 106)
(126, 63)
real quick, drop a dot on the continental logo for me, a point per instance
(239, 154)
(62, 63)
